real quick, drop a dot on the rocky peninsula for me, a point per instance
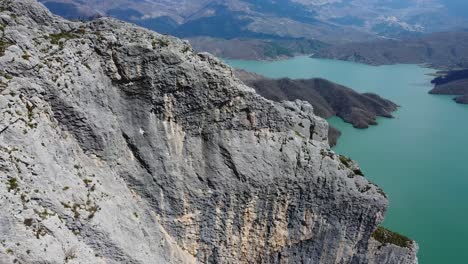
(328, 99)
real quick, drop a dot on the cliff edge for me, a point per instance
(121, 145)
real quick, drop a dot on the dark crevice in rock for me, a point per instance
(136, 153)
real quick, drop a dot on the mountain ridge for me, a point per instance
(442, 50)
(121, 145)
(353, 20)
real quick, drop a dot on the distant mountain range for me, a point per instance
(442, 50)
(325, 20)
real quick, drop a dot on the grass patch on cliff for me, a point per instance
(358, 172)
(12, 184)
(6, 75)
(348, 163)
(299, 134)
(3, 46)
(26, 56)
(386, 236)
(381, 192)
(160, 43)
(60, 38)
(345, 160)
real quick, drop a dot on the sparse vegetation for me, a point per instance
(87, 182)
(12, 184)
(186, 49)
(70, 254)
(326, 153)
(28, 222)
(365, 189)
(6, 75)
(386, 236)
(358, 172)
(24, 198)
(60, 38)
(44, 214)
(346, 161)
(92, 211)
(160, 43)
(40, 231)
(26, 56)
(76, 213)
(81, 30)
(381, 192)
(30, 107)
(299, 134)
(3, 46)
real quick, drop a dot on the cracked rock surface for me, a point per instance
(121, 145)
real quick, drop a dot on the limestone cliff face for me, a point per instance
(120, 145)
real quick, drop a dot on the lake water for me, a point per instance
(420, 158)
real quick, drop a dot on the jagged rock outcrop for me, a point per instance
(120, 145)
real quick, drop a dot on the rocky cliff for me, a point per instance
(120, 145)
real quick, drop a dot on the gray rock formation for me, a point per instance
(120, 145)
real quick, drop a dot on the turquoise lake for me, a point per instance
(420, 158)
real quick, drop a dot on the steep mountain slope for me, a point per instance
(256, 49)
(121, 145)
(316, 19)
(257, 19)
(244, 23)
(440, 50)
